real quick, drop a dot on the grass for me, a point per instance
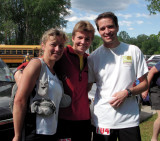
(146, 128)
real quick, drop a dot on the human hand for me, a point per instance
(144, 94)
(119, 98)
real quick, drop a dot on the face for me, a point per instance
(81, 42)
(108, 31)
(54, 47)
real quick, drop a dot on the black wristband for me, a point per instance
(129, 93)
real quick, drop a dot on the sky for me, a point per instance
(133, 16)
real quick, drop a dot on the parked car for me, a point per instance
(154, 57)
(6, 119)
(152, 62)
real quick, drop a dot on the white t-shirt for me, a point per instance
(48, 124)
(114, 70)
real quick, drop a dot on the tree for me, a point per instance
(154, 6)
(133, 41)
(9, 29)
(96, 43)
(124, 37)
(140, 39)
(32, 17)
(159, 36)
(69, 39)
(150, 45)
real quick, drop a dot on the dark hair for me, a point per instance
(107, 15)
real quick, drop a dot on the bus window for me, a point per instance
(1, 52)
(30, 52)
(19, 52)
(24, 52)
(13, 52)
(7, 51)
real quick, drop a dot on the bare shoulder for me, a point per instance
(34, 64)
(33, 68)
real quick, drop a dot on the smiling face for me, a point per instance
(53, 48)
(108, 31)
(81, 42)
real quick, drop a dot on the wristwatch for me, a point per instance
(129, 92)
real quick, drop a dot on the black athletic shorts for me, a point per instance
(125, 134)
(155, 97)
(74, 130)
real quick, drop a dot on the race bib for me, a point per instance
(103, 131)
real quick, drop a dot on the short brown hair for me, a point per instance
(107, 15)
(83, 26)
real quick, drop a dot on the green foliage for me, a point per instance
(146, 128)
(123, 36)
(30, 18)
(148, 44)
(69, 39)
(96, 43)
(154, 6)
(151, 45)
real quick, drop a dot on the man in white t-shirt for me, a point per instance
(115, 66)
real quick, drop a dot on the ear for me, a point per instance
(43, 46)
(73, 39)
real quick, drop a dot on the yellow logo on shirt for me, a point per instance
(127, 59)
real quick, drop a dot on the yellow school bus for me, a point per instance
(14, 55)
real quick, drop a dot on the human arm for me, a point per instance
(150, 76)
(18, 72)
(17, 76)
(122, 95)
(28, 81)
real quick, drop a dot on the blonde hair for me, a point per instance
(84, 26)
(55, 33)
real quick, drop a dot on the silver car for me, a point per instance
(6, 119)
